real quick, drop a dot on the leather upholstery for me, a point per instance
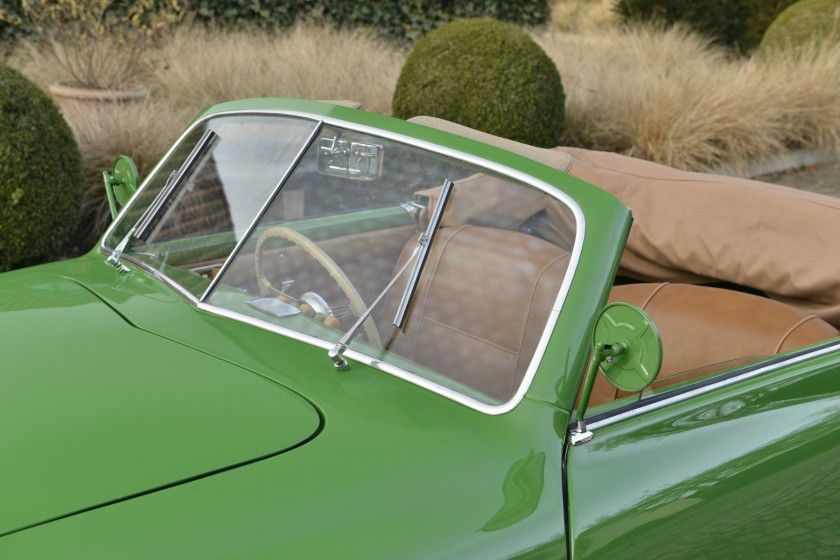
(476, 318)
(702, 326)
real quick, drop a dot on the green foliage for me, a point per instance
(759, 15)
(736, 23)
(41, 172)
(486, 75)
(8, 29)
(802, 23)
(398, 19)
(404, 20)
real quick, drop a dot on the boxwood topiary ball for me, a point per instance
(487, 75)
(802, 23)
(40, 174)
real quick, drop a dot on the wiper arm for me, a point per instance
(424, 243)
(336, 353)
(421, 251)
(114, 258)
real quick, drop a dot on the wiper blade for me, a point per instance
(421, 251)
(424, 243)
(173, 181)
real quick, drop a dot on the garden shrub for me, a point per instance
(759, 15)
(486, 75)
(804, 22)
(736, 23)
(41, 172)
(403, 20)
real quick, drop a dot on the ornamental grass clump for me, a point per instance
(42, 174)
(96, 44)
(197, 66)
(487, 75)
(671, 97)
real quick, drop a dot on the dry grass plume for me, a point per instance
(671, 97)
(198, 67)
(580, 16)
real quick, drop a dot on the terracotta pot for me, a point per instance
(73, 98)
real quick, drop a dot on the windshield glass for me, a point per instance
(207, 192)
(307, 244)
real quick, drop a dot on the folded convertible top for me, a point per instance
(698, 227)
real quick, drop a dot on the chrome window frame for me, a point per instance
(701, 387)
(551, 322)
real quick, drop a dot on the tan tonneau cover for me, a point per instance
(697, 227)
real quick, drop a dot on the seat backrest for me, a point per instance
(703, 326)
(481, 306)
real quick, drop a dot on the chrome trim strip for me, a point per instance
(355, 355)
(162, 277)
(708, 388)
(363, 358)
(261, 213)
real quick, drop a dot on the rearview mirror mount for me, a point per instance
(349, 159)
(121, 183)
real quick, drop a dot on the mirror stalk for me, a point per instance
(600, 354)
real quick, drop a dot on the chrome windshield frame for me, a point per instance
(481, 406)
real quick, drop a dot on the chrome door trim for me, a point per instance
(736, 377)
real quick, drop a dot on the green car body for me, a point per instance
(139, 422)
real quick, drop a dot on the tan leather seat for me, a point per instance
(476, 318)
(702, 326)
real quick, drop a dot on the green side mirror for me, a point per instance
(627, 349)
(121, 183)
(639, 365)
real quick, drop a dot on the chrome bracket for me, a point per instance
(336, 354)
(580, 434)
(114, 258)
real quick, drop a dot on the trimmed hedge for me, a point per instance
(802, 23)
(487, 75)
(41, 171)
(404, 20)
(736, 23)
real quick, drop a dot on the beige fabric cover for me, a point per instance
(696, 227)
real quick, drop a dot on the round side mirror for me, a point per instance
(638, 365)
(121, 183)
(627, 349)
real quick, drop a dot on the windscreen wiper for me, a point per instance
(424, 243)
(203, 146)
(420, 253)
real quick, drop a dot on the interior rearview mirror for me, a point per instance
(121, 183)
(349, 159)
(627, 349)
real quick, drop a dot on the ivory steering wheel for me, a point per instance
(357, 305)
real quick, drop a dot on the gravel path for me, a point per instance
(824, 180)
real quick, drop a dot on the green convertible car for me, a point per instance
(315, 332)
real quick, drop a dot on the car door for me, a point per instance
(745, 465)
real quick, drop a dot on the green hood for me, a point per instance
(94, 410)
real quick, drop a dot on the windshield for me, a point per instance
(300, 227)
